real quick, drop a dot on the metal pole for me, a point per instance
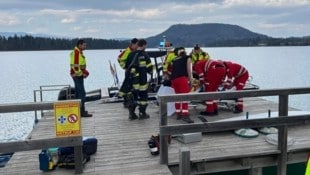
(41, 99)
(35, 112)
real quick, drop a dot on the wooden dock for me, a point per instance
(123, 149)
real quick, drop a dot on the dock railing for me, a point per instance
(29, 144)
(49, 88)
(281, 122)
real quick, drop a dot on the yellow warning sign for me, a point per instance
(67, 118)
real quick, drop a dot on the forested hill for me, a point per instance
(206, 35)
(217, 35)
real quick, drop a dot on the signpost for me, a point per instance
(67, 118)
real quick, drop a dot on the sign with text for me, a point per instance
(67, 118)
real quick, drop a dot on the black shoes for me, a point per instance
(133, 116)
(209, 113)
(86, 114)
(237, 110)
(143, 116)
(187, 119)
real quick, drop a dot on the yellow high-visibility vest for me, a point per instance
(122, 58)
(168, 62)
(308, 167)
(77, 61)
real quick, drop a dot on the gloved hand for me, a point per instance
(72, 73)
(85, 73)
(227, 85)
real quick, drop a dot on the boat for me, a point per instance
(4, 158)
(110, 94)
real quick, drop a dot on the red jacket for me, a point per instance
(234, 70)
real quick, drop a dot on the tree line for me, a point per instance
(292, 41)
(28, 42)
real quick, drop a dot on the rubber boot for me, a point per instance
(131, 108)
(132, 114)
(125, 103)
(142, 113)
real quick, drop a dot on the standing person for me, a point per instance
(78, 72)
(181, 77)
(168, 63)
(137, 66)
(211, 73)
(122, 59)
(196, 55)
(237, 75)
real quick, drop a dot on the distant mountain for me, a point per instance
(208, 34)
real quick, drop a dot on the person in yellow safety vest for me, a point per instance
(168, 64)
(78, 72)
(308, 167)
(196, 55)
(122, 57)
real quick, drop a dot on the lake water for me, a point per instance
(23, 72)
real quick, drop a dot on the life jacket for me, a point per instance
(77, 62)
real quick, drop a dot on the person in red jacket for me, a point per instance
(237, 75)
(211, 74)
(181, 75)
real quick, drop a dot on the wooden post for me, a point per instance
(163, 138)
(256, 171)
(78, 159)
(282, 136)
(184, 165)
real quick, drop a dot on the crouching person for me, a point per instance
(211, 74)
(237, 75)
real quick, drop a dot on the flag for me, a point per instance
(114, 74)
(112, 69)
(116, 77)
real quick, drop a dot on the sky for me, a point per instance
(110, 19)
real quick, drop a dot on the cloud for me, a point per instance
(7, 19)
(68, 20)
(144, 18)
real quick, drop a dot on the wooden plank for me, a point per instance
(31, 106)
(26, 145)
(282, 136)
(122, 144)
(231, 125)
(184, 165)
(232, 94)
